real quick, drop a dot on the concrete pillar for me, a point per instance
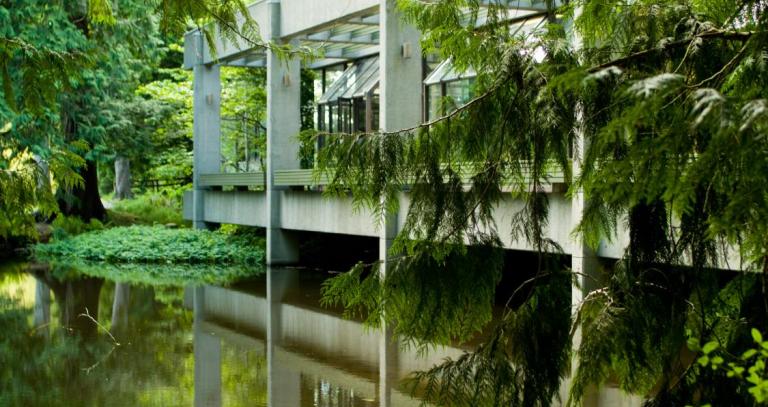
(283, 382)
(207, 358)
(207, 126)
(583, 265)
(400, 107)
(283, 126)
(400, 73)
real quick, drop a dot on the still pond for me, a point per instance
(68, 339)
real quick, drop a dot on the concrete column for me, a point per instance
(584, 264)
(207, 358)
(283, 382)
(283, 125)
(207, 126)
(400, 73)
(400, 107)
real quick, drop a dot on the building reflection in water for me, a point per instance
(314, 357)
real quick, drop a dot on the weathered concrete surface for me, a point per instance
(313, 212)
(206, 131)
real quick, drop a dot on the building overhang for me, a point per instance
(333, 30)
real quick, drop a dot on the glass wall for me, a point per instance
(447, 89)
(350, 103)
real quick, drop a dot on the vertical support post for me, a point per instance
(584, 262)
(206, 127)
(283, 125)
(207, 358)
(400, 73)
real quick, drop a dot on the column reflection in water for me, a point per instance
(311, 356)
(284, 382)
(207, 357)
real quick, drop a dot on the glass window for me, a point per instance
(459, 92)
(434, 98)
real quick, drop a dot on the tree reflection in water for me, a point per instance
(80, 364)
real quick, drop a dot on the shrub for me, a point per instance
(154, 244)
(66, 226)
(151, 208)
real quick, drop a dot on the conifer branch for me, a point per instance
(715, 34)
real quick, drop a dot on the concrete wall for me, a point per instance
(311, 211)
(246, 208)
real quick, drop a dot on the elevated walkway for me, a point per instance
(305, 208)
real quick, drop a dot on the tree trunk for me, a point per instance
(75, 298)
(122, 178)
(42, 307)
(84, 201)
(120, 307)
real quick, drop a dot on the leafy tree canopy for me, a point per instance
(69, 71)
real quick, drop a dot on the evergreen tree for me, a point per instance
(663, 103)
(65, 67)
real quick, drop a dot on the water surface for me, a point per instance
(264, 342)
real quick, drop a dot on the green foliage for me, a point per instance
(153, 244)
(306, 139)
(159, 274)
(67, 226)
(522, 361)
(662, 106)
(151, 208)
(749, 368)
(440, 304)
(69, 71)
(17, 388)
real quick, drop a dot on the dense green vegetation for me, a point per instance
(154, 244)
(656, 112)
(149, 209)
(71, 75)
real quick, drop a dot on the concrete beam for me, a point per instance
(302, 16)
(531, 5)
(336, 58)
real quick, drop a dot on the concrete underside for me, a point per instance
(312, 212)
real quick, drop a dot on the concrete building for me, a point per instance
(382, 56)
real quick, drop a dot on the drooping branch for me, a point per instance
(715, 34)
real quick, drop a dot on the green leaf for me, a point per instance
(709, 347)
(757, 336)
(748, 354)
